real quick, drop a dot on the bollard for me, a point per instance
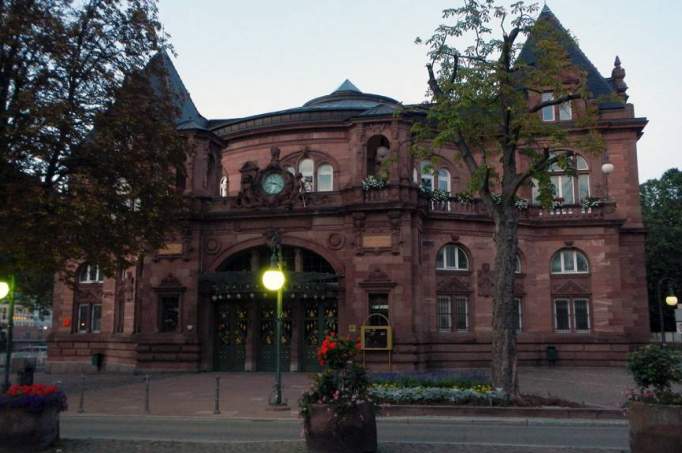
(81, 403)
(146, 394)
(216, 409)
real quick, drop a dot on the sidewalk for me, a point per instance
(245, 395)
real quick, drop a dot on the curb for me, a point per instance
(389, 410)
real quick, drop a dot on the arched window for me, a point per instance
(90, 273)
(307, 169)
(517, 265)
(444, 180)
(224, 188)
(568, 188)
(325, 178)
(570, 261)
(426, 172)
(452, 258)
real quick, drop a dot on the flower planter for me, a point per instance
(25, 430)
(355, 431)
(654, 428)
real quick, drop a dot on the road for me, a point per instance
(436, 431)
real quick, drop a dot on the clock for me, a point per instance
(273, 183)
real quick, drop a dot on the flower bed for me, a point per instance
(431, 395)
(29, 416)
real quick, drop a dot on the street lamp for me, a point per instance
(7, 292)
(273, 280)
(606, 169)
(671, 300)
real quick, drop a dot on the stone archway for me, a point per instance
(243, 312)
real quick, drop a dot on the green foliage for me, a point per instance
(343, 384)
(661, 201)
(88, 143)
(655, 367)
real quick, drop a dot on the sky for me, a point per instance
(240, 58)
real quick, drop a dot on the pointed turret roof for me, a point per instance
(188, 115)
(596, 83)
(347, 85)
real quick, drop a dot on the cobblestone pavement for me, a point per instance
(246, 394)
(107, 446)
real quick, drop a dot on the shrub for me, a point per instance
(655, 367)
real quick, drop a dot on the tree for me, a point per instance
(486, 104)
(662, 213)
(88, 143)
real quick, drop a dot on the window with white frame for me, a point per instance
(549, 112)
(517, 265)
(569, 188)
(307, 170)
(325, 178)
(89, 318)
(571, 315)
(452, 313)
(452, 258)
(90, 273)
(426, 172)
(569, 261)
(444, 184)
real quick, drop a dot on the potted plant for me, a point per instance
(654, 410)
(373, 183)
(338, 415)
(29, 417)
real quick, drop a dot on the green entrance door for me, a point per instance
(320, 318)
(266, 356)
(232, 321)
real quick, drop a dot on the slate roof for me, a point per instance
(596, 83)
(188, 115)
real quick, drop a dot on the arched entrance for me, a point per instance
(244, 312)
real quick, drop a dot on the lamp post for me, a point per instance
(671, 300)
(7, 291)
(273, 280)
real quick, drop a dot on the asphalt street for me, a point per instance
(603, 434)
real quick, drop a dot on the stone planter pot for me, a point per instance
(22, 430)
(654, 428)
(355, 432)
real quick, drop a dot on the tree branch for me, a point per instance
(561, 100)
(433, 83)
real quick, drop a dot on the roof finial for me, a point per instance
(617, 79)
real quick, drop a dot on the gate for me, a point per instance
(319, 320)
(266, 356)
(231, 334)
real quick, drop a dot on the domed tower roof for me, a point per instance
(347, 95)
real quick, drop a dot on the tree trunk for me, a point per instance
(504, 361)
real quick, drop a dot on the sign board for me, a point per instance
(376, 338)
(678, 314)
(679, 326)
(172, 248)
(376, 241)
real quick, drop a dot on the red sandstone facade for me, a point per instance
(380, 246)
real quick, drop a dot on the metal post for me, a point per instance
(278, 334)
(10, 330)
(81, 402)
(660, 310)
(216, 409)
(146, 394)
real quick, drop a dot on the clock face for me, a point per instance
(273, 183)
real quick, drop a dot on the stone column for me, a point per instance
(252, 329)
(296, 319)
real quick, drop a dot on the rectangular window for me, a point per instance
(561, 315)
(461, 313)
(83, 312)
(170, 313)
(518, 314)
(567, 189)
(565, 112)
(444, 313)
(582, 315)
(548, 112)
(583, 186)
(378, 305)
(96, 318)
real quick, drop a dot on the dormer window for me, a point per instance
(90, 273)
(549, 113)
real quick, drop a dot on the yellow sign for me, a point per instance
(376, 241)
(376, 338)
(173, 248)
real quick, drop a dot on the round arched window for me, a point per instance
(452, 258)
(570, 261)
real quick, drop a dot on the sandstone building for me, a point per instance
(350, 251)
